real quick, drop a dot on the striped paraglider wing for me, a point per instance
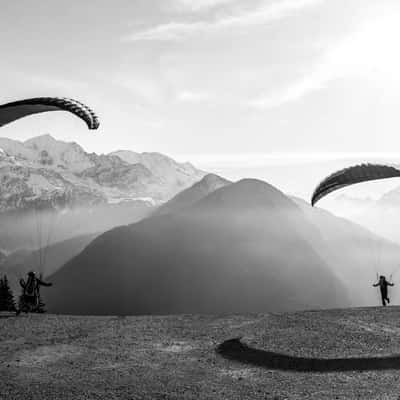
(19, 109)
(351, 175)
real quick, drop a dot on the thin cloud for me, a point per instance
(315, 81)
(146, 89)
(57, 82)
(191, 96)
(267, 13)
(197, 5)
(366, 52)
(331, 65)
(170, 31)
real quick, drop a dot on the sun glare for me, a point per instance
(373, 49)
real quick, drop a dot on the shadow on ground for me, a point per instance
(234, 349)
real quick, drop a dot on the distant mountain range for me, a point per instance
(51, 190)
(52, 172)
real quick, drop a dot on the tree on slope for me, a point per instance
(7, 302)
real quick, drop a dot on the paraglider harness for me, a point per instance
(30, 299)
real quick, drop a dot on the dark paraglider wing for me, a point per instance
(351, 175)
(18, 109)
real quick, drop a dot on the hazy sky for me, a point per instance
(219, 82)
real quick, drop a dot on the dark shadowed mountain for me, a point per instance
(189, 196)
(241, 248)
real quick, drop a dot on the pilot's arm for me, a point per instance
(41, 283)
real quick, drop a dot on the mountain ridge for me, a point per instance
(219, 255)
(194, 193)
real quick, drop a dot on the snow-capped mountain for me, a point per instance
(170, 173)
(49, 172)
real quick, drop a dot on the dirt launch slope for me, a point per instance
(353, 353)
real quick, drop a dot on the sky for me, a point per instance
(261, 88)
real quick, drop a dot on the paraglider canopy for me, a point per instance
(352, 175)
(16, 110)
(13, 111)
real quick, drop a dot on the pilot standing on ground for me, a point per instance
(383, 286)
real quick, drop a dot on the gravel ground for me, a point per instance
(173, 357)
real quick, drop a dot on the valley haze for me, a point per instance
(142, 233)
